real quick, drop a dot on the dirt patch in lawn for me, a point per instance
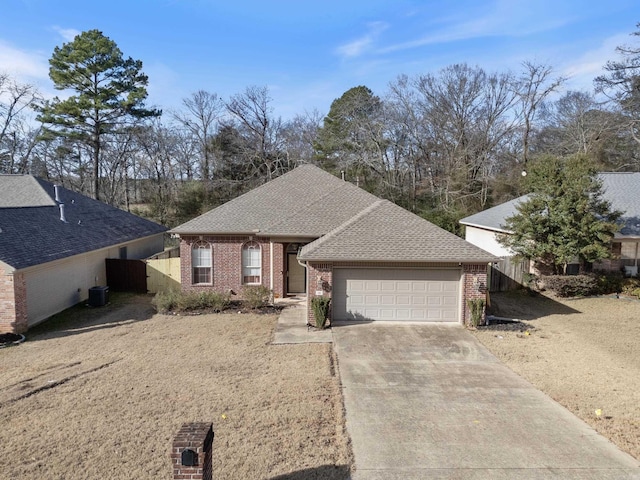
(584, 353)
(101, 393)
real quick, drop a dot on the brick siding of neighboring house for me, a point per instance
(227, 263)
(13, 303)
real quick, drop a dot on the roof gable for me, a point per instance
(385, 232)
(306, 202)
(31, 235)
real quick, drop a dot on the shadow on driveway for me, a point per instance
(325, 472)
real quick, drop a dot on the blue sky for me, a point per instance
(310, 52)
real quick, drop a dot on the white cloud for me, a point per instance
(585, 68)
(503, 18)
(360, 45)
(22, 64)
(68, 34)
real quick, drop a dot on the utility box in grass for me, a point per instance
(98, 296)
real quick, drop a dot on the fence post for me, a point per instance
(192, 452)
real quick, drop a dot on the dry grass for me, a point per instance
(101, 394)
(584, 353)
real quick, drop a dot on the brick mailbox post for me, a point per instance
(192, 452)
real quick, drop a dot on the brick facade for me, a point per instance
(319, 278)
(474, 285)
(197, 437)
(227, 263)
(13, 303)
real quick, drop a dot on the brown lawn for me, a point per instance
(100, 394)
(584, 353)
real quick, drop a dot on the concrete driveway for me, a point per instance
(429, 401)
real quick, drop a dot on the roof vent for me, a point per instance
(56, 188)
(62, 217)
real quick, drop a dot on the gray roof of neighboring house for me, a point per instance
(622, 189)
(305, 202)
(32, 233)
(386, 232)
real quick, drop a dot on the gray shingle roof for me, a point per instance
(622, 189)
(23, 191)
(493, 218)
(31, 235)
(385, 232)
(305, 202)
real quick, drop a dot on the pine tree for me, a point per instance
(108, 94)
(565, 217)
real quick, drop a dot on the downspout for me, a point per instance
(306, 280)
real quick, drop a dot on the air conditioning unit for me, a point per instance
(98, 296)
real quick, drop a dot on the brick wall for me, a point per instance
(198, 437)
(319, 278)
(13, 303)
(474, 285)
(227, 263)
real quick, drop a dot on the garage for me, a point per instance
(422, 295)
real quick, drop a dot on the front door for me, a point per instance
(296, 275)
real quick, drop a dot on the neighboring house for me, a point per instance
(310, 232)
(53, 246)
(621, 189)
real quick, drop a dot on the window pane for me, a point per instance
(628, 250)
(251, 263)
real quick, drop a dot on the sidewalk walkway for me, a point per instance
(292, 325)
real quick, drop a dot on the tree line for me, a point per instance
(443, 144)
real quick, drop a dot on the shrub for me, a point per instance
(583, 285)
(166, 301)
(476, 308)
(631, 287)
(174, 301)
(320, 307)
(257, 296)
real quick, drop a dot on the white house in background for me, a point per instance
(622, 189)
(53, 246)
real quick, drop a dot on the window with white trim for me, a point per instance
(251, 264)
(201, 261)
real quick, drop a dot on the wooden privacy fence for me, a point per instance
(507, 274)
(159, 273)
(163, 271)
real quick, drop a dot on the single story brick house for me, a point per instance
(53, 246)
(309, 232)
(621, 189)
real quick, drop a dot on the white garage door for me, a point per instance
(396, 294)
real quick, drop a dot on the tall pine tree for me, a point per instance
(108, 94)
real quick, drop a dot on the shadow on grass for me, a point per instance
(325, 472)
(122, 309)
(525, 305)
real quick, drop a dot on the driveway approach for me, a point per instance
(429, 401)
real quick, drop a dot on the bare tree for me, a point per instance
(17, 136)
(200, 119)
(621, 84)
(532, 87)
(253, 114)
